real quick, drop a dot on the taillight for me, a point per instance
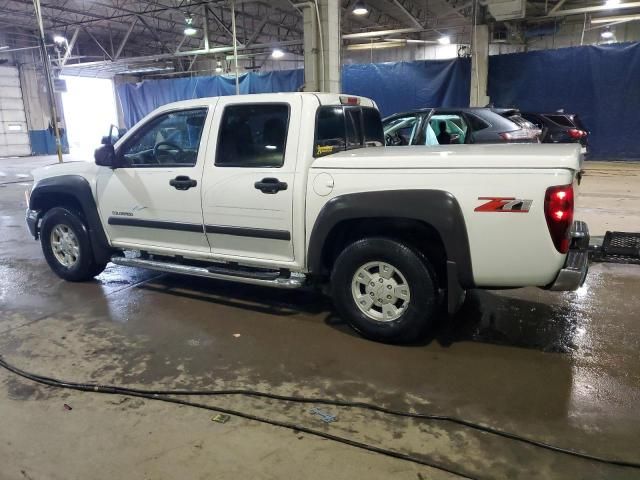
(576, 134)
(522, 134)
(558, 210)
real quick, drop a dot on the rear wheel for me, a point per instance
(385, 290)
(66, 246)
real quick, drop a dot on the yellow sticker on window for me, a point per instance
(322, 149)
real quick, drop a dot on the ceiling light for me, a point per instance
(188, 28)
(444, 40)
(219, 67)
(277, 53)
(59, 39)
(612, 3)
(607, 34)
(4, 47)
(360, 8)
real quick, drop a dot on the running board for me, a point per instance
(265, 278)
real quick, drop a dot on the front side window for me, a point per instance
(170, 140)
(402, 130)
(253, 135)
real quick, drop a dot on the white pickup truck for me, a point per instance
(296, 189)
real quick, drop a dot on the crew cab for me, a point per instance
(297, 189)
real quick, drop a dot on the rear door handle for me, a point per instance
(270, 185)
(182, 182)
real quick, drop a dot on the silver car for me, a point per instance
(446, 126)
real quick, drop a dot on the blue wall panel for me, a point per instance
(599, 83)
(402, 86)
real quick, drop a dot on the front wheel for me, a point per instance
(66, 246)
(385, 290)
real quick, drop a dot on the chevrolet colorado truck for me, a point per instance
(297, 189)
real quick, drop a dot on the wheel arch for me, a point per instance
(74, 192)
(421, 217)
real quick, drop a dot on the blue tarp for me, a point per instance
(403, 86)
(395, 87)
(599, 83)
(138, 99)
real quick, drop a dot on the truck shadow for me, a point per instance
(254, 298)
(486, 317)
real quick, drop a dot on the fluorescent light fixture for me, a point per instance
(277, 53)
(617, 18)
(612, 3)
(376, 45)
(188, 28)
(444, 40)
(270, 147)
(4, 47)
(149, 69)
(59, 39)
(607, 34)
(360, 8)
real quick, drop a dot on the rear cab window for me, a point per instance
(340, 128)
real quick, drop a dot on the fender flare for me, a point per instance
(77, 187)
(437, 208)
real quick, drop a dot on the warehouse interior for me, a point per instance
(150, 374)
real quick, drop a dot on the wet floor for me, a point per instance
(561, 368)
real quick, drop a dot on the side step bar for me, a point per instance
(264, 278)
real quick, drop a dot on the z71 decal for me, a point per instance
(504, 204)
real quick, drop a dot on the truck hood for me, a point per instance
(85, 169)
(525, 156)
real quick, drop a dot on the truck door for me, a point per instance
(153, 200)
(248, 180)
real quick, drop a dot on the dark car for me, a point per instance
(560, 127)
(446, 126)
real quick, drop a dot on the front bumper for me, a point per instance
(33, 217)
(576, 265)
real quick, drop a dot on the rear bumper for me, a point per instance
(33, 216)
(576, 265)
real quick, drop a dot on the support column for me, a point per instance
(479, 67)
(322, 52)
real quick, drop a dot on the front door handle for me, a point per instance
(182, 182)
(270, 185)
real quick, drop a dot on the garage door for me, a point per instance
(14, 137)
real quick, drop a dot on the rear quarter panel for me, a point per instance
(508, 249)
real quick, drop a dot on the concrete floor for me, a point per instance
(561, 368)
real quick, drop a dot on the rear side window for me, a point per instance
(476, 123)
(341, 128)
(561, 120)
(253, 135)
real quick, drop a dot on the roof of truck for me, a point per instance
(323, 98)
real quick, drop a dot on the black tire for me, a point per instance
(416, 317)
(85, 267)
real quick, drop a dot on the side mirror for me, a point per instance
(105, 156)
(106, 140)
